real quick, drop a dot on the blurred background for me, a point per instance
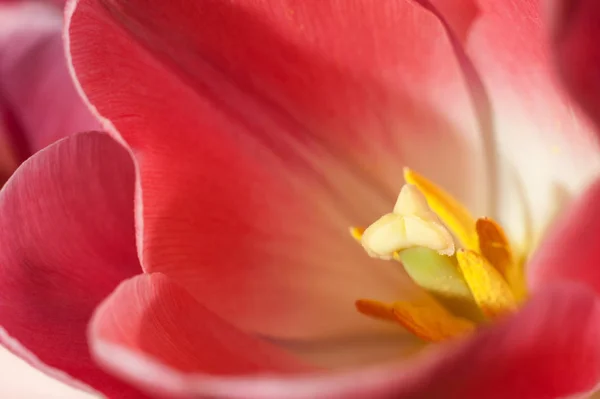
(18, 380)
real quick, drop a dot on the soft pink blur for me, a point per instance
(38, 101)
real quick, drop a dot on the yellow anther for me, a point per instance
(357, 233)
(431, 323)
(515, 277)
(427, 320)
(412, 224)
(490, 290)
(456, 217)
(494, 245)
(496, 248)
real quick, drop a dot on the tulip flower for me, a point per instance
(310, 199)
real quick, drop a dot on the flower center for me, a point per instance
(466, 266)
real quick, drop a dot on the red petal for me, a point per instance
(575, 29)
(263, 131)
(156, 318)
(66, 226)
(550, 349)
(570, 250)
(37, 96)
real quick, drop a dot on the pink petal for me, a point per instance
(262, 131)
(575, 28)
(37, 96)
(570, 250)
(550, 349)
(67, 234)
(544, 146)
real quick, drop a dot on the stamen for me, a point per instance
(496, 248)
(490, 290)
(412, 224)
(376, 309)
(427, 320)
(433, 324)
(494, 245)
(455, 216)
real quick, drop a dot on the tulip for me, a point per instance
(200, 248)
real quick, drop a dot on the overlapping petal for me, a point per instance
(67, 238)
(153, 317)
(262, 131)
